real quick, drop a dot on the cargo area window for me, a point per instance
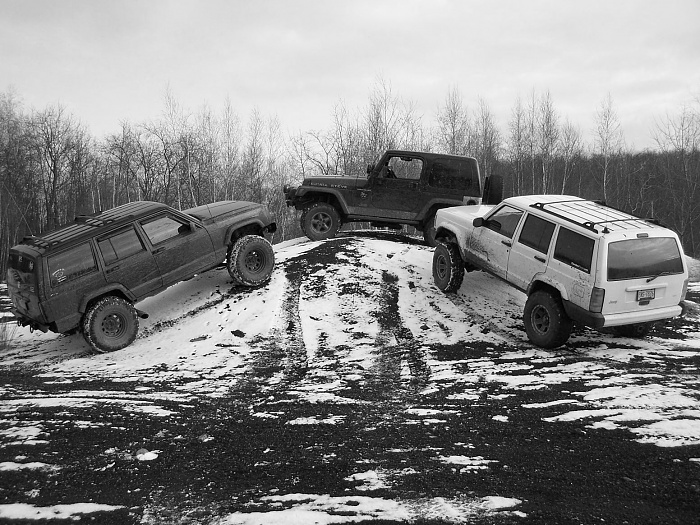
(574, 249)
(537, 233)
(120, 246)
(643, 257)
(71, 264)
(456, 174)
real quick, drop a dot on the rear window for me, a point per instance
(537, 233)
(21, 269)
(645, 257)
(574, 249)
(71, 264)
(120, 246)
(456, 174)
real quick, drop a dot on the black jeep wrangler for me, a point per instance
(88, 275)
(403, 188)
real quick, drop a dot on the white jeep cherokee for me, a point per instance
(577, 260)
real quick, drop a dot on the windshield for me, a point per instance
(645, 257)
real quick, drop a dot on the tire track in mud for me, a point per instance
(395, 345)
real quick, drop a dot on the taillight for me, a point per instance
(597, 298)
(685, 289)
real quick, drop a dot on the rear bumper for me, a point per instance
(31, 323)
(587, 318)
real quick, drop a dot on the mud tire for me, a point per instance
(448, 267)
(546, 322)
(250, 261)
(320, 221)
(110, 324)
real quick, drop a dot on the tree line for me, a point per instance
(52, 168)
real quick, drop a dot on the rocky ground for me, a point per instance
(350, 389)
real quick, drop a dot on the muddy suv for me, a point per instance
(88, 275)
(402, 188)
(577, 261)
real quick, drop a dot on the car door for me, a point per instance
(128, 262)
(180, 248)
(395, 191)
(491, 243)
(530, 252)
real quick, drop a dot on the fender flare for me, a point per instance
(306, 195)
(105, 290)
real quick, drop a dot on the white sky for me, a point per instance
(112, 60)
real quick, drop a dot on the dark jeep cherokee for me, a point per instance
(403, 188)
(88, 275)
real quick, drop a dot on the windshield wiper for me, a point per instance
(657, 275)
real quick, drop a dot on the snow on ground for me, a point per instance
(202, 335)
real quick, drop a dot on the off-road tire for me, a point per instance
(250, 261)
(448, 267)
(320, 221)
(429, 231)
(546, 322)
(636, 331)
(110, 324)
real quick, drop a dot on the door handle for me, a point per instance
(507, 243)
(159, 250)
(541, 259)
(112, 269)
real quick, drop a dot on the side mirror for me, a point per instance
(478, 222)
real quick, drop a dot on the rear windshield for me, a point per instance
(647, 257)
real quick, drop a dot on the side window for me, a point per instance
(402, 168)
(164, 228)
(574, 249)
(455, 174)
(71, 264)
(120, 245)
(504, 221)
(537, 233)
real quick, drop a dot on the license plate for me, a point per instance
(643, 295)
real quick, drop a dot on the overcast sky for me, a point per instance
(108, 61)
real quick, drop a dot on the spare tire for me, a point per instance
(493, 190)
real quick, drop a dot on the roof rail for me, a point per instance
(591, 225)
(91, 220)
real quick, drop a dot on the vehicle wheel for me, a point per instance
(320, 221)
(493, 190)
(429, 231)
(251, 260)
(637, 330)
(448, 267)
(546, 322)
(110, 324)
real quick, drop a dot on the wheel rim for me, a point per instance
(255, 261)
(540, 319)
(113, 325)
(441, 266)
(321, 222)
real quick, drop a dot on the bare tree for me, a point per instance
(453, 125)
(608, 140)
(486, 138)
(570, 150)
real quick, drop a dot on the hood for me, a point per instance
(335, 182)
(218, 209)
(465, 213)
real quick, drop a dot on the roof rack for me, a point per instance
(37, 241)
(590, 225)
(92, 221)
